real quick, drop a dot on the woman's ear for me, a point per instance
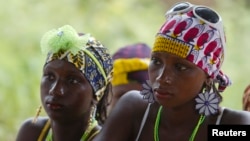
(209, 82)
(94, 101)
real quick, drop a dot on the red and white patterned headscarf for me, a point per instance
(190, 38)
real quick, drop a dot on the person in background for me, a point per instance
(130, 70)
(246, 99)
(183, 94)
(74, 88)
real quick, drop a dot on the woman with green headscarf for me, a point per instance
(74, 88)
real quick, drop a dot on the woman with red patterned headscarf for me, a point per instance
(183, 94)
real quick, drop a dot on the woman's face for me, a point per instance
(65, 92)
(175, 81)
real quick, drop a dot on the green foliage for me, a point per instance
(114, 23)
(236, 21)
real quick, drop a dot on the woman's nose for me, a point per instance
(57, 89)
(165, 75)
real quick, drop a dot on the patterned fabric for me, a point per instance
(92, 58)
(138, 50)
(190, 38)
(131, 64)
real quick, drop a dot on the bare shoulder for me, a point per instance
(30, 131)
(129, 105)
(231, 116)
(132, 99)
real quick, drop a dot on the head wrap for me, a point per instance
(82, 50)
(191, 38)
(131, 64)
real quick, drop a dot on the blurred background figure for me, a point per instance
(246, 98)
(130, 70)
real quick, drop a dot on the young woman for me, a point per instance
(74, 87)
(182, 95)
(130, 70)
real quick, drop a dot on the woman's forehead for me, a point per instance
(61, 64)
(176, 58)
(167, 55)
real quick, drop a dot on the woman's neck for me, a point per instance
(72, 131)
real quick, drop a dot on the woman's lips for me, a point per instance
(54, 106)
(162, 94)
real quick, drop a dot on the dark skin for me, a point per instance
(246, 99)
(67, 97)
(178, 118)
(119, 90)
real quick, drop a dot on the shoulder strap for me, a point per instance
(143, 121)
(44, 130)
(93, 133)
(220, 116)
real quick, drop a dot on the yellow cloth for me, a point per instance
(123, 66)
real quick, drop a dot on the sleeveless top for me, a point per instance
(46, 131)
(146, 115)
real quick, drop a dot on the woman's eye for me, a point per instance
(181, 67)
(49, 76)
(73, 80)
(155, 61)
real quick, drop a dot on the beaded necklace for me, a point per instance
(157, 121)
